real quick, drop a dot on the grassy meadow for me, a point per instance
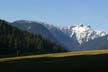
(83, 60)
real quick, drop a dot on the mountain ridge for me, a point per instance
(13, 40)
(70, 37)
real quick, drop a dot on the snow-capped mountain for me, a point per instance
(83, 33)
(63, 38)
(98, 43)
(73, 38)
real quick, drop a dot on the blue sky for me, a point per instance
(57, 12)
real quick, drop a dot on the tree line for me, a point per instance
(13, 39)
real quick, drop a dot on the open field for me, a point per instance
(57, 55)
(71, 60)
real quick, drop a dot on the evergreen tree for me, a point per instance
(13, 39)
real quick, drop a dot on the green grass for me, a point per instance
(71, 60)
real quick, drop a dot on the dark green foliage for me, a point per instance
(13, 39)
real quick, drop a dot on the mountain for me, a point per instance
(83, 33)
(36, 28)
(87, 37)
(70, 37)
(95, 44)
(47, 31)
(13, 39)
(62, 38)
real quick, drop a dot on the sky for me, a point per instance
(57, 12)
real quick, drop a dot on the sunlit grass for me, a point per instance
(66, 54)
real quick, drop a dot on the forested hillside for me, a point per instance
(13, 39)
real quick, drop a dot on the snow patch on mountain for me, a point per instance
(83, 33)
(98, 43)
(63, 39)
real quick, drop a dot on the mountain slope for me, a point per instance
(83, 33)
(70, 37)
(49, 32)
(62, 38)
(35, 28)
(86, 37)
(98, 43)
(74, 37)
(13, 39)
